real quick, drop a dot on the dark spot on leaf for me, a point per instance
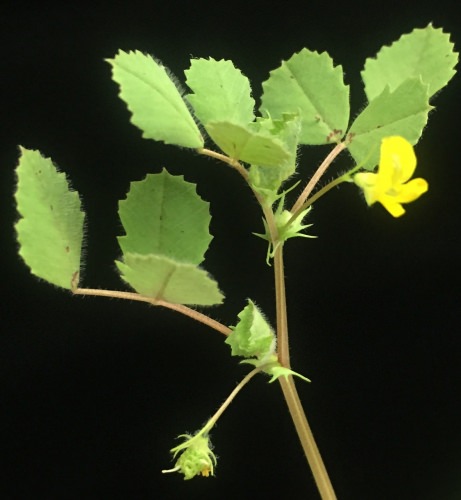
(74, 280)
(333, 133)
(350, 136)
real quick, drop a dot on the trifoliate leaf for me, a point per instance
(426, 53)
(50, 231)
(402, 112)
(310, 85)
(152, 97)
(243, 144)
(162, 278)
(221, 92)
(164, 215)
(253, 336)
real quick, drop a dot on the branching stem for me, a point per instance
(288, 387)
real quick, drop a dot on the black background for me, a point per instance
(94, 391)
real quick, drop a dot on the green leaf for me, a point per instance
(164, 215)
(50, 232)
(310, 85)
(267, 179)
(243, 144)
(221, 92)
(426, 53)
(402, 112)
(162, 278)
(253, 336)
(153, 99)
(166, 225)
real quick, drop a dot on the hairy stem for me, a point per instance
(289, 390)
(324, 190)
(283, 348)
(187, 311)
(306, 437)
(226, 159)
(297, 207)
(212, 421)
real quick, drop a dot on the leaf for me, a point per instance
(253, 336)
(243, 144)
(164, 215)
(221, 92)
(50, 232)
(165, 279)
(426, 53)
(166, 226)
(267, 179)
(152, 97)
(403, 112)
(310, 85)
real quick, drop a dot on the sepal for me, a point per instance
(272, 367)
(285, 228)
(196, 457)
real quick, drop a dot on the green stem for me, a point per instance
(324, 190)
(306, 437)
(289, 389)
(347, 177)
(212, 421)
(244, 173)
(283, 347)
(297, 207)
(226, 159)
(187, 311)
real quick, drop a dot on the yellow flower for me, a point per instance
(391, 185)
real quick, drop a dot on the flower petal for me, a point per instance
(412, 190)
(392, 206)
(397, 161)
(367, 181)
